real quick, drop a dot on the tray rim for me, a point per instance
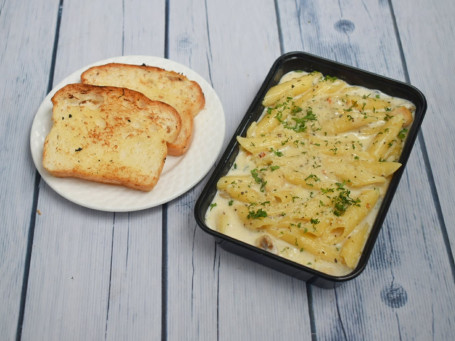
(230, 152)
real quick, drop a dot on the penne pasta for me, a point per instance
(222, 223)
(352, 249)
(266, 124)
(356, 213)
(347, 122)
(290, 88)
(240, 189)
(386, 138)
(310, 173)
(257, 145)
(307, 243)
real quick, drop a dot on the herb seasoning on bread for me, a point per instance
(109, 135)
(184, 95)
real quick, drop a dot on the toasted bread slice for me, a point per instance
(184, 95)
(167, 118)
(105, 134)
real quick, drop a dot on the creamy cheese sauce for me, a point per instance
(309, 142)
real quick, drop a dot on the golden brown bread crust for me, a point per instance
(105, 134)
(185, 95)
(183, 141)
(167, 118)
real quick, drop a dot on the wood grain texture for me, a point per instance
(86, 37)
(135, 301)
(426, 30)
(212, 294)
(98, 274)
(154, 274)
(26, 40)
(383, 299)
(408, 260)
(191, 260)
(135, 280)
(67, 299)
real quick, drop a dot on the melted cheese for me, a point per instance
(223, 216)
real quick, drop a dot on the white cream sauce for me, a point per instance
(222, 205)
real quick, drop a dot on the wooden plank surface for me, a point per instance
(135, 292)
(383, 298)
(154, 274)
(99, 274)
(206, 299)
(26, 40)
(426, 30)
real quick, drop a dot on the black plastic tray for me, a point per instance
(302, 61)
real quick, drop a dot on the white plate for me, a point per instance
(179, 173)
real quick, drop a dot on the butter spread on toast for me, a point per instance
(106, 134)
(184, 95)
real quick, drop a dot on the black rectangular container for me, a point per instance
(302, 61)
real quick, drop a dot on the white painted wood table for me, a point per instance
(72, 273)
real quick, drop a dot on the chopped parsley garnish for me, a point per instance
(342, 201)
(260, 213)
(313, 177)
(387, 117)
(330, 78)
(327, 190)
(402, 134)
(255, 175)
(212, 206)
(296, 110)
(276, 152)
(299, 124)
(258, 179)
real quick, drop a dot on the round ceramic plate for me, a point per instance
(179, 173)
